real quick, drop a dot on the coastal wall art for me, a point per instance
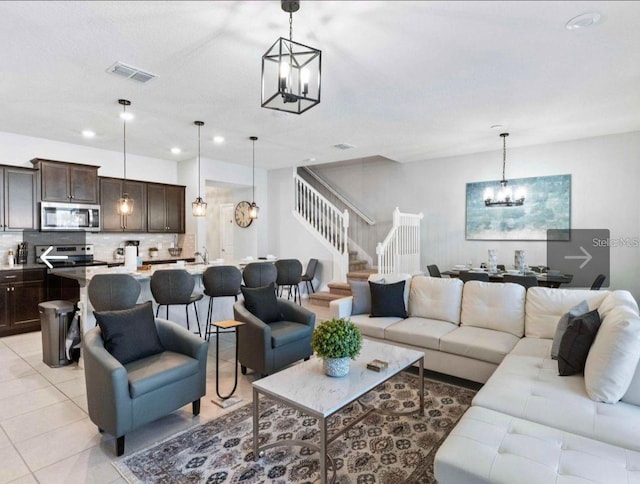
(547, 205)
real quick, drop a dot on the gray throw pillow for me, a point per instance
(576, 343)
(566, 318)
(361, 297)
(262, 303)
(130, 334)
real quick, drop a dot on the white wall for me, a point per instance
(288, 239)
(605, 173)
(19, 150)
(252, 241)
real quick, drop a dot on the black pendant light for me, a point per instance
(505, 196)
(199, 207)
(254, 210)
(291, 72)
(125, 202)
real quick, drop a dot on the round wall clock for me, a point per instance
(242, 214)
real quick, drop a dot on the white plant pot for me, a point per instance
(336, 367)
(153, 254)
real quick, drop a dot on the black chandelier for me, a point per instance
(291, 72)
(505, 196)
(124, 205)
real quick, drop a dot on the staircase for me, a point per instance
(358, 270)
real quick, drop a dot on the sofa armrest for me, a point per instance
(108, 398)
(177, 339)
(341, 308)
(296, 313)
(254, 338)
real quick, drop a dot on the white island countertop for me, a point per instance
(84, 274)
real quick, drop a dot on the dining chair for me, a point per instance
(309, 274)
(259, 274)
(289, 275)
(433, 270)
(524, 281)
(474, 276)
(175, 287)
(597, 283)
(501, 267)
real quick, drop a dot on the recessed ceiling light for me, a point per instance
(218, 139)
(344, 146)
(583, 21)
(126, 116)
(175, 150)
(87, 133)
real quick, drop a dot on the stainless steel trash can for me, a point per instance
(55, 317)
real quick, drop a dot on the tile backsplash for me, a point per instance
(104, 244)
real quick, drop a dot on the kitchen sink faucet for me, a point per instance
(204, 254)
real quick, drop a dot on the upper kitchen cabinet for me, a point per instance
(67, 182)
(165, 208)
(111, 189)
(18, 200)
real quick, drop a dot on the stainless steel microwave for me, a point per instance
(69, 216)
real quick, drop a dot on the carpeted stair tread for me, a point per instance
(341, 288)
(323, 298)
(361, 275)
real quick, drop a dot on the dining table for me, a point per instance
(544, 279)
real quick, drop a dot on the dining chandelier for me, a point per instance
(291, 72)
(505, 196)
(199, 206)
(125, 202)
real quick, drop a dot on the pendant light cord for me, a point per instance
(290, 26)
(504, 155)
(124, 140)
(199, 161)
(253, 174)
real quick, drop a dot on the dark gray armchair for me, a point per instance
(266, 348)
(122, 398)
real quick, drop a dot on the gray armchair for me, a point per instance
(266, 348)
(122, 398)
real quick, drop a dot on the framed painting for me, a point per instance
(547, 206)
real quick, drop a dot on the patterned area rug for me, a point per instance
(380, 449)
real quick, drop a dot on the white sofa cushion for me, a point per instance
(436, 298)
(478, 343)
(373, 327)
(390, 279)
(545, 306)
(422, 332)
(529, 387)
(613, 356)
(532, 347)
(491, 447)
(617, 299)
(494, 306)
(632, 395)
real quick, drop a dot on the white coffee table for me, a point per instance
(306, 388)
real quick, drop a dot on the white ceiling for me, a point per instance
(405, 80)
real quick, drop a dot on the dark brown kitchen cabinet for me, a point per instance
(20, 294)
(67, 182)
(111, 190)
(18, 206)
(165, 208)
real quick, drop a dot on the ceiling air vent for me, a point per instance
(129, 72)
(343, 146)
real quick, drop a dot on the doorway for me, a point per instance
(226, 232)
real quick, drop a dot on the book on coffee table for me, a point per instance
(377, 365)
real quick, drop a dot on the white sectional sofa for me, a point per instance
(527, 423)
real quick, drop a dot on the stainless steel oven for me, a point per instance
(69, 216)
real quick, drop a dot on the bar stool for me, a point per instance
(220, 281)
(113, 292)
(175, 287)
(289, 274)
(259, 274)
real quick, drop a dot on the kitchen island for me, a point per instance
(222, 307)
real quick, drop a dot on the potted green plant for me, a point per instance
(336, 341)
(153, 252)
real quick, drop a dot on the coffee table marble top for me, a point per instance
(307, 387)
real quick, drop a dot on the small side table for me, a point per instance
(225, 401)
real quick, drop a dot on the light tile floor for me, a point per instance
(45, 433)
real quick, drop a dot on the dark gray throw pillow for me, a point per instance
(387, 300)
(262, 303)
(130, 334)
(576, 342)
(566, 318)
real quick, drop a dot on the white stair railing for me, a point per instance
(400, 250)
(325, 221)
